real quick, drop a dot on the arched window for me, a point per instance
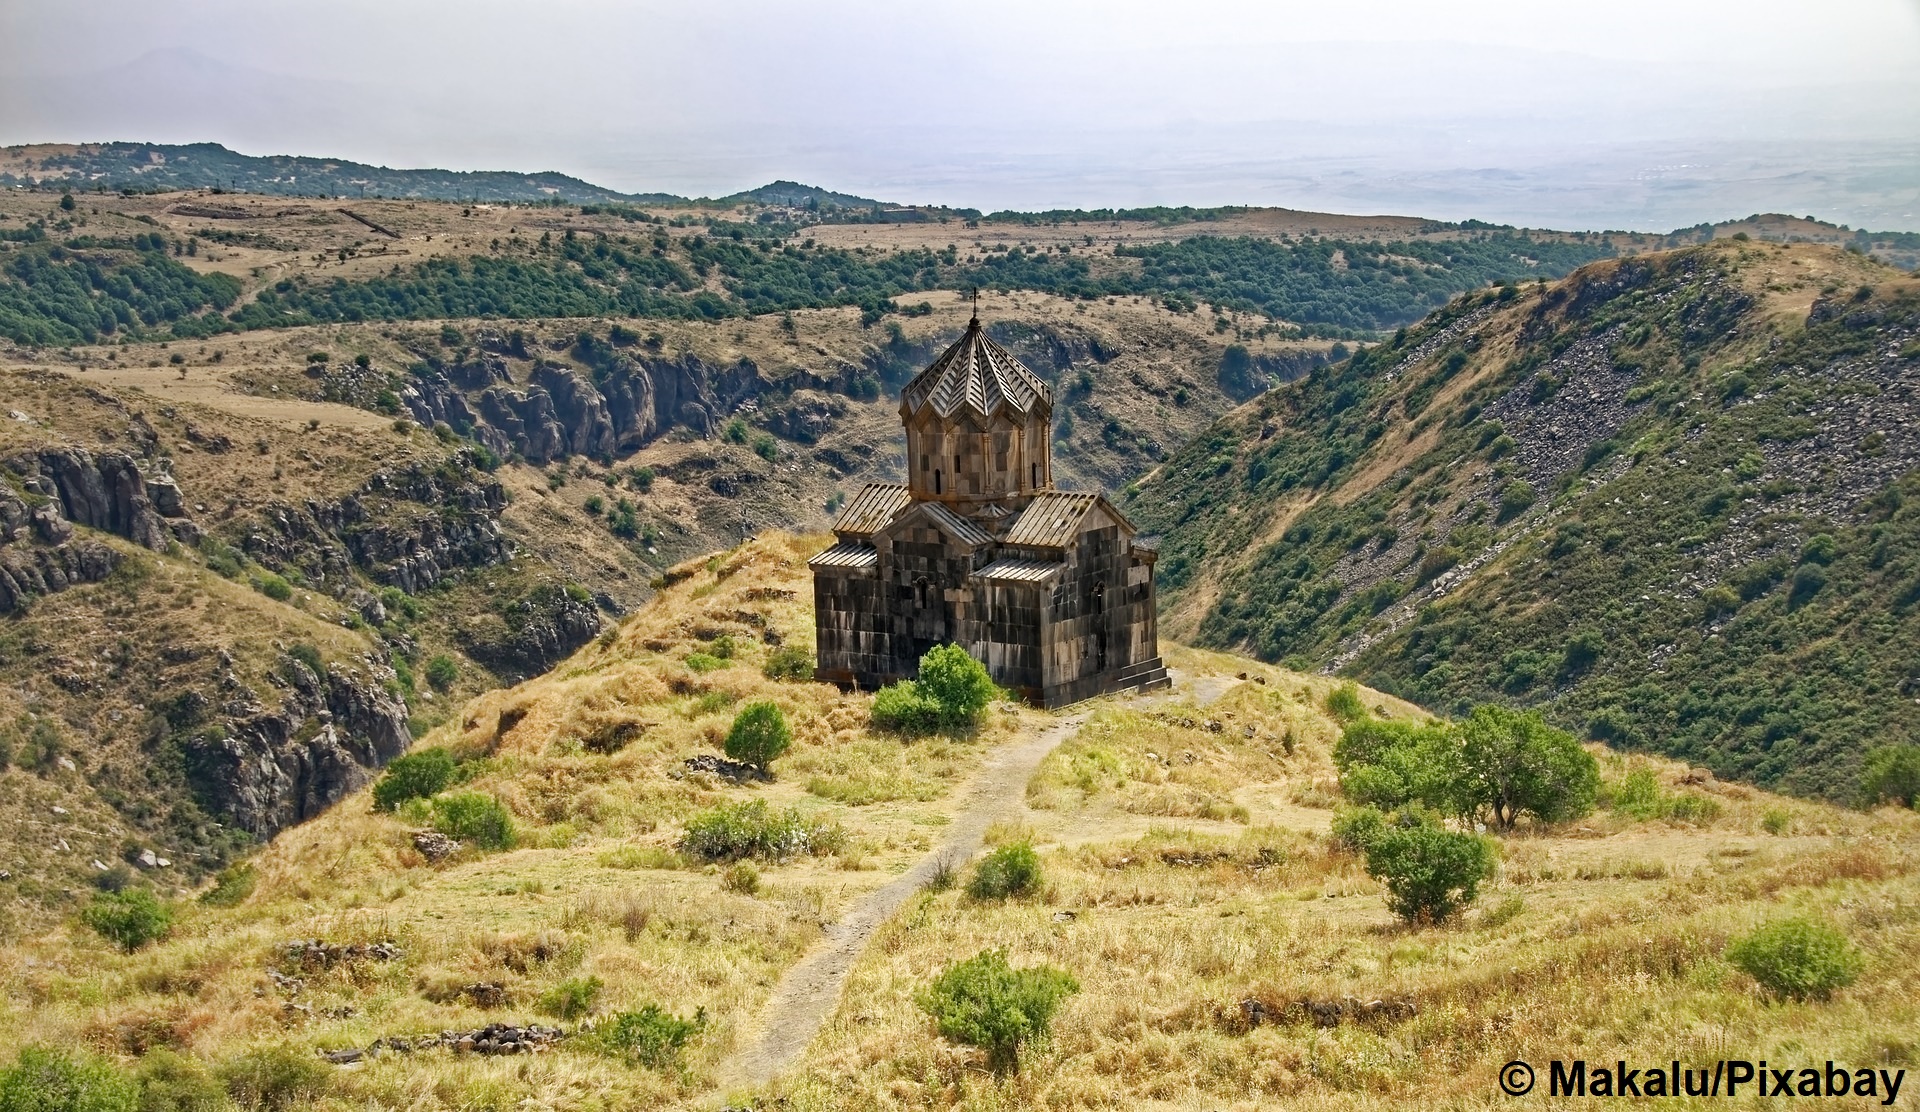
(936, 480)
(1036, 475)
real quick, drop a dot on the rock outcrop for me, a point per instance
(58, 488)
(271, 768)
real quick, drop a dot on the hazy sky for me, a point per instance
(1628, 111)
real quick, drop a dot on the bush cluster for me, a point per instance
(1498, 762)
(987, 1003)
(650, 1036)
(752, 829)
(1430, 872)
(1010, 870)
(421, 774)
(1799, 958)
(474, 818)
(951, 692)
(130, 919)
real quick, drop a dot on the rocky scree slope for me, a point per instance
(1673, 500)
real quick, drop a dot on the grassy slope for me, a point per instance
(595, 876)
(1600, 941)
(1188, 871)
(1598, 498)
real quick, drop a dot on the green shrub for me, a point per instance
(759, 734)
(789, 662)
(704, 662)
(903, 708)
(752, 829)
(742, 878)
(958, 684)
(650, 1036)
(273, 586)
(950, 694)
(1798, 958)
(1010, 870)
(475, 818)
(276, 1077)
(572, 998)
(1430, 873)
(46, 1080)
(129, 919)
(1344, 703)
(232, 886)
(1515, 497)
(985, 1002)
(442, 672)
(1892, 774)
(421, 774)
(1776, 820)
(171, 1082)
(1357, 828)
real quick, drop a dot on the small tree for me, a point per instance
(129, 919)
(1797, 958)
(1513, 763)
(958, 684)
(418, 775)
(1391, 764)
(1430, 873)
(1893, 773)
(985, 1002)
(760, 733)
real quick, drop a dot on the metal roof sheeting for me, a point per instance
(1051, 519)
(962, 530)
(847, 554)
(871, 509)
(979, 375)
(1021, 571)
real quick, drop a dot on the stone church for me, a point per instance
(1048, 588)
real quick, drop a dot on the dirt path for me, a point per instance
(810, 991)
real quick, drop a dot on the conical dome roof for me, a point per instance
(975, 374)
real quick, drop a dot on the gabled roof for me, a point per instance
(1021, 571)
(975, 374)
(955, 526)
(1053, 519)
(871, 509)
(847, 554)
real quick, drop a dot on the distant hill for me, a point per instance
(156, 167)
(800, 196)
(1673, 500)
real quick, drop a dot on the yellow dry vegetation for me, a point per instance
(596, 887)
(1230, 956)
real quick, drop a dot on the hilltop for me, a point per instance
(1228, 951)
(1670, 500)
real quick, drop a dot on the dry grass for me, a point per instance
(1602, 939)
(595, 890)
(1197, 902)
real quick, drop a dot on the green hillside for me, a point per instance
(1673, 500)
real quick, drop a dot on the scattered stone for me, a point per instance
(147, 859)
(735, 771)
(434, 846)
(99, 864)
(346, 1057)
(58, 810)
(1064, 916)
(486, 994)
(312, 953)
(67, 763)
